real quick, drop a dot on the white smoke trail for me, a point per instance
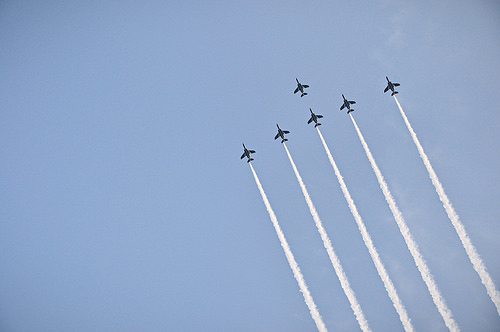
(291, 260)
(389, 286)
(410, 242)
(474, 257)
(363, 323)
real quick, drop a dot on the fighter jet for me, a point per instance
(281, 133)
(314, 118)
(300, 87)
(391, 86)
(247, 153)
(347, 103)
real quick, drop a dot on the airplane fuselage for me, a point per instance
(391, 86)
(347, 104)
(314, 118)
(281, 133)
(300, 88)
(246, 153)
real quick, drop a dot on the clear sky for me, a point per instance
(124, 205)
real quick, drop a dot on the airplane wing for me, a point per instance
(386, 88)
(277, 135)
(286, 132)
(396, 84)
(342, 107)
(296, 90)
(310, 120)
(319, 116)
(242, 155)
(251, 151)
(352, 102)
(305, 86)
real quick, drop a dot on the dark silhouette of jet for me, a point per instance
(391, 86)
(301, 87)
(314, 118)
(281, 133)
(347, 103)
(247, 153)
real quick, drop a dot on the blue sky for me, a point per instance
(125, 206)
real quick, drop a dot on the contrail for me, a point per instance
(410, 242)
(363, 323)
(389, 286)
(474, 257)
(291, 260)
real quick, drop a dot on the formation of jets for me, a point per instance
(300, 87)
(347, 103)
(314, 117)
(281, 133)
(246, 153)
(391, 86)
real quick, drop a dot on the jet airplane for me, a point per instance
(300, 87)
(347, 103)
(281, 133)
(247, 153)
(391, 86)
(314, 118)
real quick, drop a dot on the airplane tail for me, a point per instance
(249, 160)
(303, 94)
(284, 140)
(317, 124)
(394, 93)
(351, 110)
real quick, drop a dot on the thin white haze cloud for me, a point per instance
(389, 286)
(474, 257)
(363, 323)
(410, 242)
(291, 259)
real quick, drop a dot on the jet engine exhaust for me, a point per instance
(389, 286)
(470, 249)
(291, 259)
(363, 323)
(410, 242)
